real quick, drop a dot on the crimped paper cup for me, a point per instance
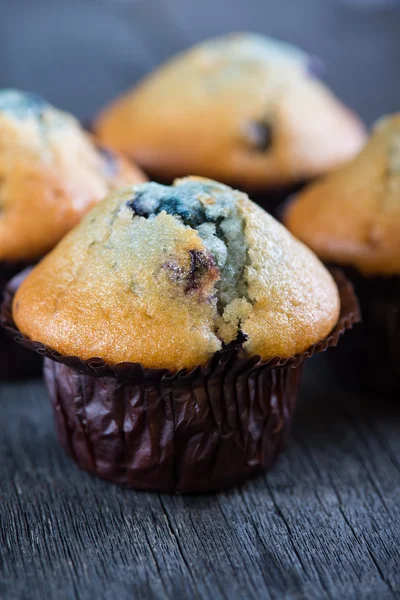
(186, 432)
(15, 361)
(370, 355)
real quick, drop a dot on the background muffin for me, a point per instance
(51, 173)
(200, 309)
(352, 218)
(243, 108)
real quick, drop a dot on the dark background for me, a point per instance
(325, 523)
(80, 53)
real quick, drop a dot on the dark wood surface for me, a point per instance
(325, 522)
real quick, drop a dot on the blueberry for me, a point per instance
(201, 264)
(148, 203)
(259, 134)
(143, 204)
(191, 216)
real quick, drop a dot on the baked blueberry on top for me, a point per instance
(243, 108)
(219, 226)
(167, 275)
(51, 173)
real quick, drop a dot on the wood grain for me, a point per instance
(324, 524)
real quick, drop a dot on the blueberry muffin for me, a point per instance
(245, 109)
(51, 173)
(175, 320)
(164, 276)
(352, 218)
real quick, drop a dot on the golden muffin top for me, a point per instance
(242, 108)
(166, 276)
(352, 217)
(51, 173)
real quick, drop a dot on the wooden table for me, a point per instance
(325, 522)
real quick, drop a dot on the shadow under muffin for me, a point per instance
(369, 356)
(15, 360)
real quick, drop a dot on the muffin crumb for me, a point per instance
(210, 209)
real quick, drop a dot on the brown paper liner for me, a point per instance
(16, 362)
(189, 431)
(370, 355)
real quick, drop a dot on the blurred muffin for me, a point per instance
(194, 277)
(352, 218)
(51, 173)
(244, 109)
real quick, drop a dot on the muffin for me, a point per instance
(352, 218)
(51, 173)
(244, 109)
(175, 321)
